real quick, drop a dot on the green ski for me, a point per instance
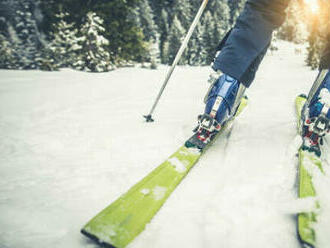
(306, 221)
(118, 224)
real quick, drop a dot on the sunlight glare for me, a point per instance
(313, 5)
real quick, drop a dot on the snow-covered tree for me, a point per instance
(154, 52)
(27, 44)
(293, 29)
(221, 18)
(93, 55)
(221, 13)
(182, 10)
(197, 54)
(47, 61)
(146, 20)
(164, 30)
(217, 16)
(165, 53)
(313, 57)
(65, 42)
(318, 26)
(175, 37)
(236, 7)
(7, 53)
(3, 24)
(315, 45)
(210, 41)
(213, 26)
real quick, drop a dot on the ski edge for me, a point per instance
(96, 239)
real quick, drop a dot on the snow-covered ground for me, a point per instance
(72, 142)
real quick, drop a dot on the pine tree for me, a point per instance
(179, 16)
(158, 6)
(126, 37)
(93, 55)
(221, 13)
(196, 4)
(182, 10)
(175, 37)
(164, 30)
(27, 45)
(47, 61)
(197, 54)
(3, 24)
(210, 41)
(236, 7)
(165, 52)
(313, 57)
(314, 48)
(65, 42)
(214, 24)
(293, 29)
(319, 36)
(7, 55)
(221, 17)
(146, 20)
(154, 54)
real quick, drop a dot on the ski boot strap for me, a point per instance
(320, 125)
(208, 123)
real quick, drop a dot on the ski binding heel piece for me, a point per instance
(208, 123)
(320, 125)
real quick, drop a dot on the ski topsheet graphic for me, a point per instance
(307, 159)
(119, 223)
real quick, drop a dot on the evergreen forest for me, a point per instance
(101, 35)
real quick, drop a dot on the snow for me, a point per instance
(145, 191)
(159, 192)
(72, 142)
(177, 164)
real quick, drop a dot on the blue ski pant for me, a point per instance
(244, 46)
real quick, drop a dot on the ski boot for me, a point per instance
(316, 119)
(221, 104)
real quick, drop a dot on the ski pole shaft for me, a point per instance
(322, 74)
(177, 58)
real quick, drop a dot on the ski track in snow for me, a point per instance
(72, 142)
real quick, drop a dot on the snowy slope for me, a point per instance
(72, 142)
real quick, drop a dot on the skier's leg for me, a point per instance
(243, 48)
(241, 52)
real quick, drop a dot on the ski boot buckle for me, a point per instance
(208, 123)
(322, 125)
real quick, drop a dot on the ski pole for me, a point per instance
(177, 58)
(321, 76)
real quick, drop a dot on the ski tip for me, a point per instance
(148, 118)
(96, 239)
